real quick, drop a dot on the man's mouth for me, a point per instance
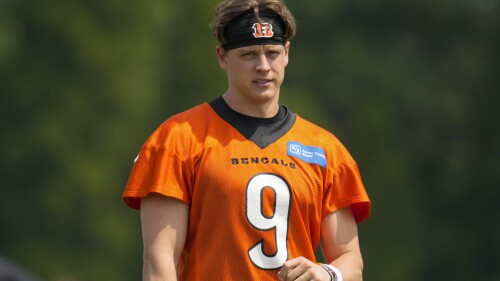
(262, 81)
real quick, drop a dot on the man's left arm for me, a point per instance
(340, 244)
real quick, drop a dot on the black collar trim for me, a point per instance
(261, 131)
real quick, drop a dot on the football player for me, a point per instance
(241, 187)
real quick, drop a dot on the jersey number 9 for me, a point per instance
(278, 221)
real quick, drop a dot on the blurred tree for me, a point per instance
(80, 81)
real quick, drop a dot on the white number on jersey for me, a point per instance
(278, 221)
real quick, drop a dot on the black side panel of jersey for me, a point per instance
(261, 131)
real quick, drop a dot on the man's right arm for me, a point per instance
(164, 225)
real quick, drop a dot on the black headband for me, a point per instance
(246, 30)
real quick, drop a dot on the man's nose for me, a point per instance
(263, 63)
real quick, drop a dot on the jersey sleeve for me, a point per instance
(160, 168)
(346, 189)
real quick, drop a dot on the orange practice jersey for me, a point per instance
(253, 203)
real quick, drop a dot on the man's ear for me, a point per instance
(287, 51)
(221, 57)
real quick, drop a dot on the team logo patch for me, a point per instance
(262, 30)
(309, 154)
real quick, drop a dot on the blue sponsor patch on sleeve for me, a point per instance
(309, 154)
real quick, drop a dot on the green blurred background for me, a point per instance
(410, 87)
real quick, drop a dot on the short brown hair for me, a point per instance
(227, 10)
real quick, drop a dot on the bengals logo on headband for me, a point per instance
(262, 30)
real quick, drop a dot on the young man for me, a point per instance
(242, 188)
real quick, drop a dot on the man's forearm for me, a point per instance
(350, 265)
(159, 269)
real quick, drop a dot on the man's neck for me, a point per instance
(265, 109)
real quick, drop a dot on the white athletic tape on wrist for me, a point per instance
(329, 271)
(336, 272)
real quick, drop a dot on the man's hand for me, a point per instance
(302, 269)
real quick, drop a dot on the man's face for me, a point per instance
(255, 73)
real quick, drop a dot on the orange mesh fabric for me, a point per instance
(250, 208)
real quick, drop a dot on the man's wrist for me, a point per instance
(334, 272)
